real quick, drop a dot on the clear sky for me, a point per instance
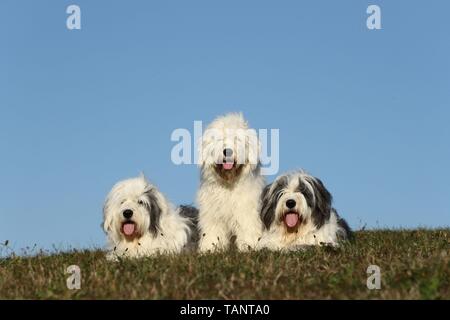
(367, 111)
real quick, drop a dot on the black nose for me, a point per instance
(290, 203)
(128, 213)
(227, 152)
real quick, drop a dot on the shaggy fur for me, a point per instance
(296, 211)
(230, 186)
(139, 221)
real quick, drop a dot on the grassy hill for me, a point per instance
(415, 264)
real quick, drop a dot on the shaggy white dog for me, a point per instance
(139, 221)
(230, 186)
(297, 212)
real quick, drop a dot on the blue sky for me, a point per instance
(366, 111)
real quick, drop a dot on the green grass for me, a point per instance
(414, 265)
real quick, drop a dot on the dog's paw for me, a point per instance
(112, 256)
(297, 247)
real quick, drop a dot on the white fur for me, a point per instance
(231, 208)
(172, 231)
(278, 238)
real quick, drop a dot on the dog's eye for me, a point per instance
(140, 202)
(122, 202)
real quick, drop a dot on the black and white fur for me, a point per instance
(139, 221)
(316, 223)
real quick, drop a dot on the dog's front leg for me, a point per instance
(213, 237)
(248, 233)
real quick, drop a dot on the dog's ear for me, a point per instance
(323, 200)
(208, 148)
(268, 205)
(253, 146)
(107, 217)
(154, 210)
(269, 200)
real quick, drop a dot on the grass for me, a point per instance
(414, 265)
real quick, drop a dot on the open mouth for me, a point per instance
(229, 170)
(292, 219)
(228, 164)
(129, 228)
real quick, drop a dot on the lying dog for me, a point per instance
(296, 211)
(139, 221)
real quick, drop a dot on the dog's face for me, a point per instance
(295, 200)
(229, 149)
(132, 209)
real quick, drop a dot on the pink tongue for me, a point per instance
(228, 166)
(128, 229)
(291, 219)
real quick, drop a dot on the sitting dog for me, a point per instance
(139, 221)
(296, 211)
(230, 186)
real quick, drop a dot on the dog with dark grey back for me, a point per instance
(297, 211)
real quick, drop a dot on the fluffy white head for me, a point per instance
(133, 209)
(295, 200)
(229, 149)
